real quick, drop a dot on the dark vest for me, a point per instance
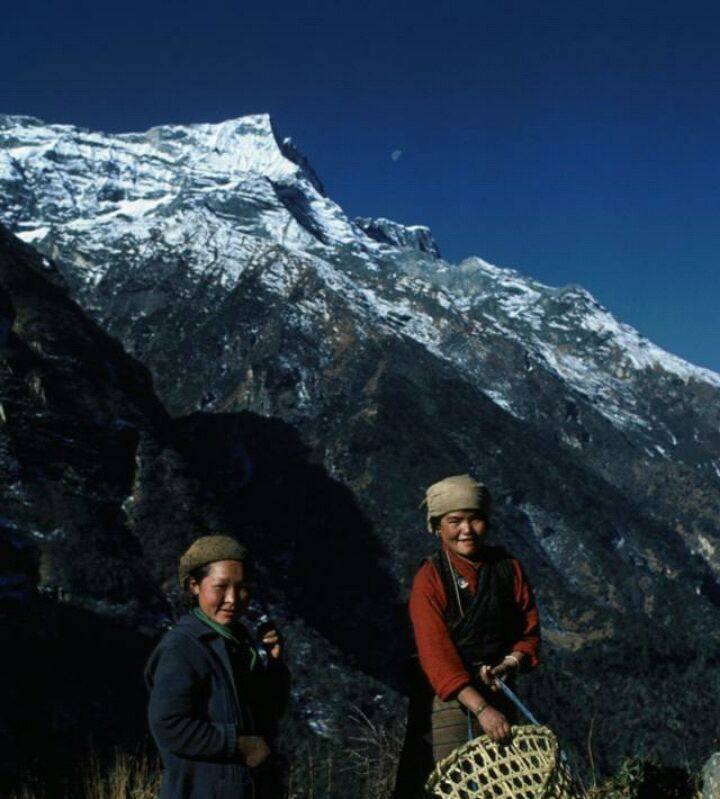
(483, 625)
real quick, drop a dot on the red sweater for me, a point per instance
(439, 657)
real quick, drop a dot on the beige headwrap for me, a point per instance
(208, 549)
(459, 492)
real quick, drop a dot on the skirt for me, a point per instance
(434, 729)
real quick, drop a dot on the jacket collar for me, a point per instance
(197, 628)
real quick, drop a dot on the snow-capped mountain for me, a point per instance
(225, 193)
(143, 222)
(213, 253)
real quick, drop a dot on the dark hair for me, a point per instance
(198, 574)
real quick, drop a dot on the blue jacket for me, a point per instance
(196, 714)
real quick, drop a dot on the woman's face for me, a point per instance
(222, 594)
(462, 531)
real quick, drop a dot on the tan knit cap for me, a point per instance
(459, 492)
(208, 549)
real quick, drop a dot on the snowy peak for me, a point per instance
(407, 237)
(573, 311)
(58, 181)
(565, 326)
(231, 148)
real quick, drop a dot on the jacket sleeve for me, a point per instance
(173, 715)
(529, 641)
(439, 657)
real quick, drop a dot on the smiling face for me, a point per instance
(462, 531)
(222, 594)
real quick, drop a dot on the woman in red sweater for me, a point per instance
(474, 619)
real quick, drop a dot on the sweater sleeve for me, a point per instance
(174, 721)
(439, 657)
(529, 641)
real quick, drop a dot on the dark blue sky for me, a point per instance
(574, 141)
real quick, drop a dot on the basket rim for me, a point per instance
(526, 731)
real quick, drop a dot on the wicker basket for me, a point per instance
(528, 768)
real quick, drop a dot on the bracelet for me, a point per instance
(479, 711)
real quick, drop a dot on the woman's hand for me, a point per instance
(270, 639)
(487, 677)
(490, 675)
(271, 642)
(494, 724)
(253, 750)
(492, 721)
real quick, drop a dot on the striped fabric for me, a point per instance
(450, 727)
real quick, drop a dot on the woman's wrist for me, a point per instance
(480, 709)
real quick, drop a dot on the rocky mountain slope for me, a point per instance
(100, 492)
(213, 253)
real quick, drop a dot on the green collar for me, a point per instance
(225, 632)
(219, 628)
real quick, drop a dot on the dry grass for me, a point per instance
(363, 770)
(374, 755)
(25, 793)
(126, 776)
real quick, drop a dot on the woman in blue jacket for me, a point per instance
(207, 681)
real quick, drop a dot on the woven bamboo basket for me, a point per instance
(528, 768)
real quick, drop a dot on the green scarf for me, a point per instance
(244, 645)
